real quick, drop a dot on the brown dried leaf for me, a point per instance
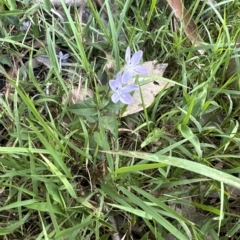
(110, 65)
(149, 90)
(190, 27)
(77, 94)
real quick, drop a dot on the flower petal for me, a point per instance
(128, 55)
(25, 25)
(136, 58)
(115, 85)
(119, 78)
(126, 98)
(127, 75)
(140, 70)
(65, 56)
(60, 55)
(129, 88)
(116, 97)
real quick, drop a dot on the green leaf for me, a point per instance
(140, 167)
(152, 137)
(52, 189)
(13, 226)
(12, 13)
(157, 202)
(206, 208)
(109, 123)
(114, 107)
(4, 59)
(18, 204)
(229, 134)
(132, 210)
(10, 19)
(69, 232)
(44, 207)
(47, 5)
(199, 102)
(181, 163)
(188, 134)
(153, 213)
(84, 108)
(210, 106)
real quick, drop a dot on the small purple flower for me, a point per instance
(25, 25)
(62, 58)
(121, 92)
(132, 67)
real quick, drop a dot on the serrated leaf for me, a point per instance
(109, 123)
(114, 107)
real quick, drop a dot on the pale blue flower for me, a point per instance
(121, 92)
(25, 25)
(62, 58)
(132, 64)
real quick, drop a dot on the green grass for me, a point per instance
(81, 171)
